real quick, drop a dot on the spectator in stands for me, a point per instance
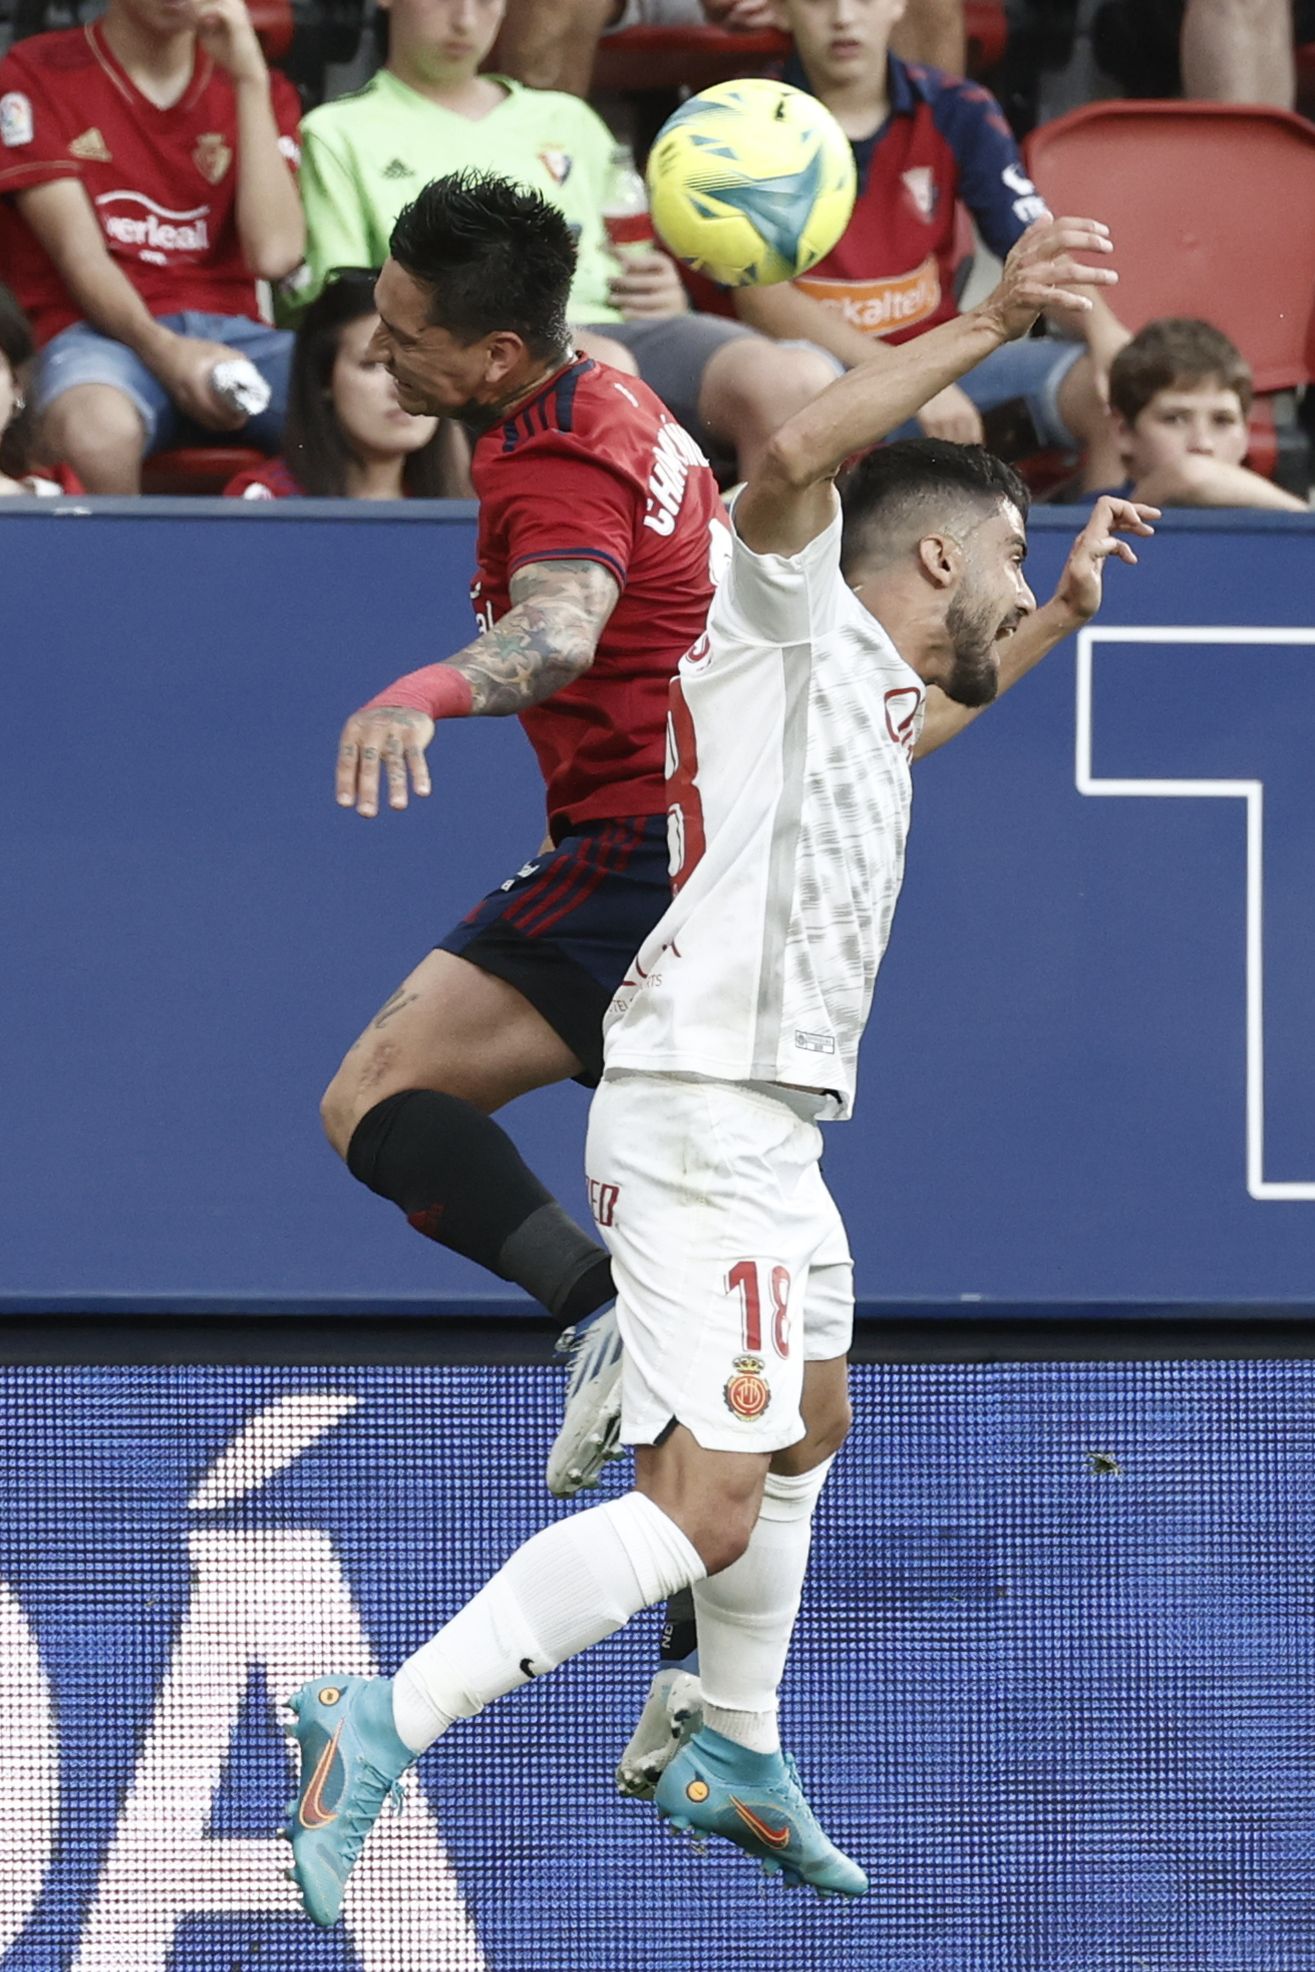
(16, 352)
(933, 32)
(1180, 393)
(346, 435)
(922, 142)
(430, 111)
(147, 162)
(550, 44)
(1215, 51)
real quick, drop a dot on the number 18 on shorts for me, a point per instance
(731, 1264)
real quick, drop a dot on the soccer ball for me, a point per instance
(751, 182)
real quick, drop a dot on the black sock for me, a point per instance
(679, 1631)
(462, 1183)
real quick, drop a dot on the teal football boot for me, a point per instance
(714, 1787)
(352, 1762)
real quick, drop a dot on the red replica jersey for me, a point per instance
(594, 468)
(892, 274)
(163, 183)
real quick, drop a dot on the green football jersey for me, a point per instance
(365, 156)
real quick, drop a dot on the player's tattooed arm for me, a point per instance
(546, 640)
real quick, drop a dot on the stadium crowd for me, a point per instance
(185, 246)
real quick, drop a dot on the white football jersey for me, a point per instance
(789, 735)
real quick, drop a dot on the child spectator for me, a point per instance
(1180, 393)
(430, 111)
(146, 161)
(16, 352)
(922, 142)
(346, 435)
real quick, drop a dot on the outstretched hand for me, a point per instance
(1042, 273)
(1080, 585)
(393, 737)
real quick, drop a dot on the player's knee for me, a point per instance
(828, 1416)
(724, 1533)
(339, 1113)
(832, 1428)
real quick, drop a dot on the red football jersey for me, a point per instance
(594, 468)
(163, 182)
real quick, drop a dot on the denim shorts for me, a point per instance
(1032, 369)
(81, 354)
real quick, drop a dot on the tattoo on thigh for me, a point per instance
(401, 998)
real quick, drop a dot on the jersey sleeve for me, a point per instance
(552, 501)
(992, 182)
(782, 599)
(338, 229)
(33, 137)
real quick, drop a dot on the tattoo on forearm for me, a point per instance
(545, 641)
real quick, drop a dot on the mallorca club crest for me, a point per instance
(747, 1390)
(212, 156)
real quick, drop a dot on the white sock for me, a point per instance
(746, 1614)
(570, 1585)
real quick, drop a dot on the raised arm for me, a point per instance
(546, 640)
(268, 209)
(788, 498)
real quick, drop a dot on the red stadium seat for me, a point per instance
(643, 59)
(1210, 206)
(198, 468)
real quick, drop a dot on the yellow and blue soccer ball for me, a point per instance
(751, 182)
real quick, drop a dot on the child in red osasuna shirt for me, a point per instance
(925, 145)
(147, 183)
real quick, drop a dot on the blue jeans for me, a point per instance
(1032, 369)
(81, 354)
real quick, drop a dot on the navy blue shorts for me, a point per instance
(563, 930)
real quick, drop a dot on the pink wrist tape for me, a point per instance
(438, 690)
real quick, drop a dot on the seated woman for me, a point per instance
(17, 349)
(346, 434)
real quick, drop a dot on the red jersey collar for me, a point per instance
(579, 362)
(202, 70)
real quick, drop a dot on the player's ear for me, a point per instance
(941, 559)
(503, 350)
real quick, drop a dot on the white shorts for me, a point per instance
(731, 1263)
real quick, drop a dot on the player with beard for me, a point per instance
(736, 1030)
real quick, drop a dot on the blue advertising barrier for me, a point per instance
(1089, 1075)
(1051, 1683)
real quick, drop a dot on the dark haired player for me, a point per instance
(737, 1029)
(601, 533)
